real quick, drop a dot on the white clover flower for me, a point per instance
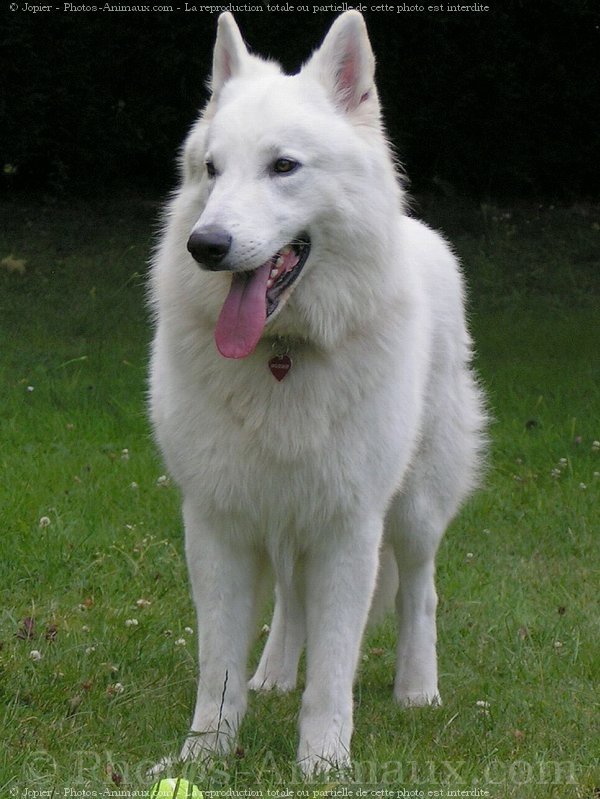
(35, 654)
(188, 630)
(162, 481)
(124, 454)
(131, 623)
(180, 642)
(45, 521)
(143, 603)
(133, 486)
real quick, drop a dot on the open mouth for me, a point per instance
(286, 266)
(255, 295)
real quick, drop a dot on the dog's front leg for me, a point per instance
(224, 577)
(340, 578)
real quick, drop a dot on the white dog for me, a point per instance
(310, 388)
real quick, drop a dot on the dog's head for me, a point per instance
(288, 179)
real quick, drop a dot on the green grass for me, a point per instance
(518, 570)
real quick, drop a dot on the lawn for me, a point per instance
(97, 646)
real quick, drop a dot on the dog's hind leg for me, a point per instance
(386, 587)
(443, 473)
(415, 535)
(278, 667)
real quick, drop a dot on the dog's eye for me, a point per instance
(283, 166)
(210, 169)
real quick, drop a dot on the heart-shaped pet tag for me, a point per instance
(280, 365)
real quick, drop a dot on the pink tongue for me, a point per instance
(244, 313)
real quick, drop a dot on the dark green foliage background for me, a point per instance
(498, 103)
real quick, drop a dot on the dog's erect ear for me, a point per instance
(344, 63)
(229, 54)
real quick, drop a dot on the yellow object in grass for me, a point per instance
(176, 788)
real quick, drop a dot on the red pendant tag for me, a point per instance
(280, 365)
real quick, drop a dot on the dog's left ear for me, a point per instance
(229, 54)
(344, 63)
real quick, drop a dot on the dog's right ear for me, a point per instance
(229, 54)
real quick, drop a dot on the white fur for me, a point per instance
(370, 443)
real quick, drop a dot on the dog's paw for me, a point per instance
(206, 746)
(333, 766)
(417, 698)
(324, 754)
(201, 749)
(163, 765)
(272, 682)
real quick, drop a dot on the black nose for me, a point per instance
(209, 245)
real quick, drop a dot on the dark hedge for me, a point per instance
(485, 103)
